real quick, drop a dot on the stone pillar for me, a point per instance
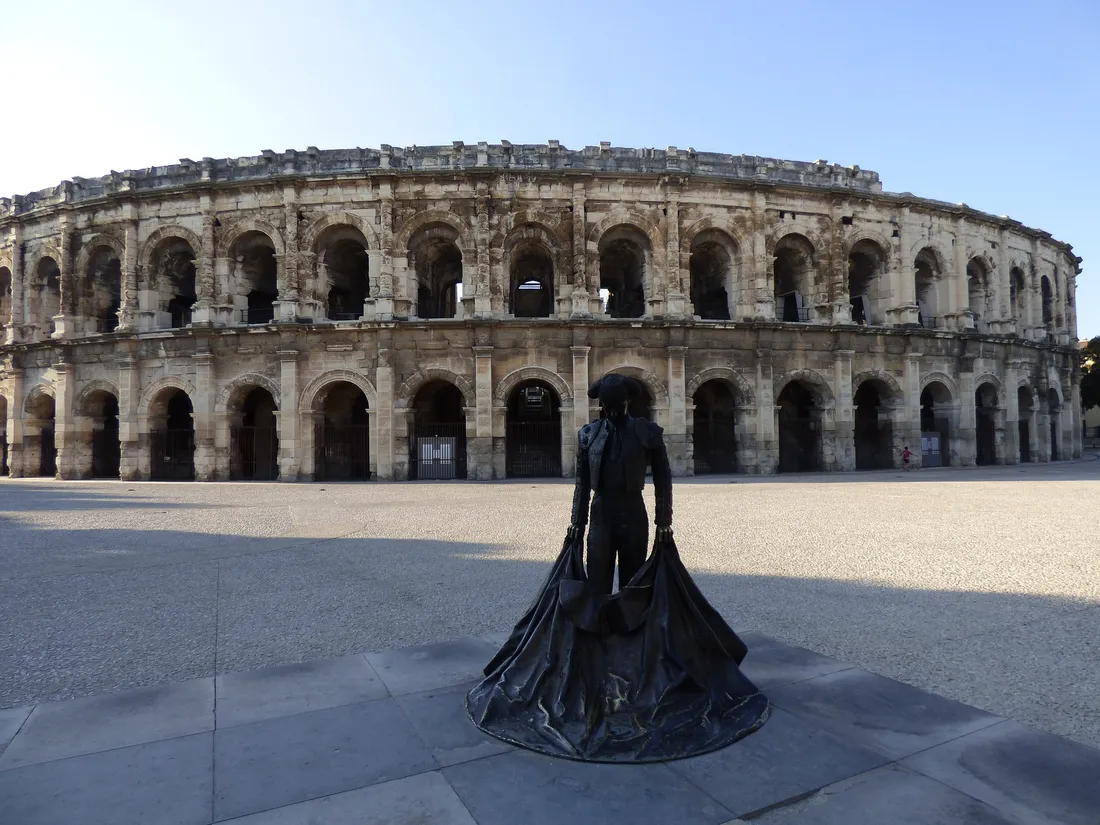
(206, 286)
(15, 424)
(479, 461)
(383, 384)
(907, 427)
(838, 298)
(904, 309)
(1011, 414)
(844, 442)
(128, 309)
(678, 282)
(65, 320)
(287, 308)
(291, 443)
(767, 443)
(481, 303)
(966, 440)
(585, 292)
(964, 317)
(129, 397)
(761, 272)
(65, 435)
(1002, 321)
(1076, 436)
(14, 332)
(580, 386)
(209, 466)
(384, 301)
(676, 433)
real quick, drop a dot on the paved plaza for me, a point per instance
(297, 653)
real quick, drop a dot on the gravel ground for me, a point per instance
(980, 584)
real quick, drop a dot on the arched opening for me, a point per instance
(866, 262)
(711, 267)
(174, 270)
(794, 278)
(874, 432)
(927, 276)
(101, 409)
(531, 287)
(254, 438)
(341, 436)
(344, 272)
(714, 428)
(624, 258)
(45, 295)
(1025, 404)
(935, 425)
(438, 265)
(4, 467)
(5, 300)
(438, 443)
(1048, 303)
(1017, 286)
(800, 419)
(171, 437)
(40, 451)
(1054, 406)
(985, 423)
(101, 296)
(533, 432)
(255, 273)
(978, 291)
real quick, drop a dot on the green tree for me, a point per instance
(1090, 374)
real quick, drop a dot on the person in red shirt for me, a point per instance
(905, 459)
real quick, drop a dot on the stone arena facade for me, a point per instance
(439, 312)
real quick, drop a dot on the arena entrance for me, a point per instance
(1054, 405)
(172, 437)
(874, 432)
(533, 432)
(102, 408)
(935, 425)
(4, 470)
(40, 450)
(714, 434)
(800, 419)
(985, 424)
(437, 445)
(341, 437)
(1025, 404)
(254, 439)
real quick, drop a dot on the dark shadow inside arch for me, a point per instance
(1054, 408)
(935, 425)
(622, 271)
(172, 437)
(102, 290)
(985, 422)
(711, 270)
(345, 268)
(532, 282)
(4, 465)
(437, 443)
(533, 431)
(873, 430)
(714, 434)
(39, 447)
(341, 434)
(1025, 403)
(800, 423)
(102, 408)
(254, 438)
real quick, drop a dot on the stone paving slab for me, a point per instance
(384, 738)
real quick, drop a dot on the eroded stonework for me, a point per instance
(441, 311)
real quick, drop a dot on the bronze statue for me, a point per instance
(648, 673)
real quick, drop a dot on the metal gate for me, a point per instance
(3, 455)
(47, 454)
(172, 455)
(1025, 442)
(715, 446)
(342, 452)
(106, 453)
(533, 449)
(254, 454)
(438, 451)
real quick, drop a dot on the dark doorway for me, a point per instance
(40, 412)
(533, 432)
(438, 264)
(934, 421)
(710, 268)
(1024, 404)
(172, 440)
(342, 435)
(3, 436)
(985, 423)
(437, 444)
(254, 440)
(714, 437)
(873, 430)
(106, 451)
(532, 282)
(799, 430)
(622, 271)
(1054, 405)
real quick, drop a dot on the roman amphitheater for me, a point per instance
(439, 312)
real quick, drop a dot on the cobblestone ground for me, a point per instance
(982, 585)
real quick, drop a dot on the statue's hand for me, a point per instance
(664, 533)
(574, 532)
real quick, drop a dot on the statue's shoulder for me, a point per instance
(587, 433)
(649, 432)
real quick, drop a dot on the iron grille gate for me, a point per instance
(533, 449)
(254, 454)
(106, 453)
(438, 451)
(342, 452)
(172, 455)
(47, 454)
(715, 447)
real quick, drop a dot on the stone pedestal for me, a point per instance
(903, 316)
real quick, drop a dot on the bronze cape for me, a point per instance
(648, 674)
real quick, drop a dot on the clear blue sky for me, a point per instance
(992, 103)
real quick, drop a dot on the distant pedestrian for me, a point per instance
(905, 459)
